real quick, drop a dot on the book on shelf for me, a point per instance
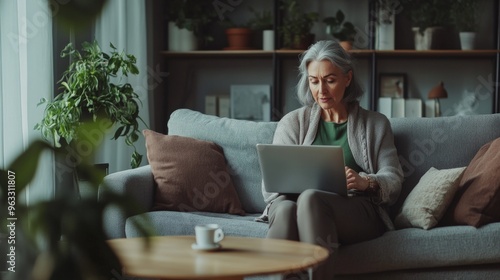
(218, 105)
(211, 105)
(400, 107)
(224, 106)
(413, 108)
(430, 108)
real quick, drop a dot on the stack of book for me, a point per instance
(400, 107)
(218, 105)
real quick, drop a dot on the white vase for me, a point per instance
(384, 39)
(426, 41)
(181, 39)
(467, 40)
(268, 40)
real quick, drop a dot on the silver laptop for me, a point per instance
(295, 168)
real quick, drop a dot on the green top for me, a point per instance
(335, 134)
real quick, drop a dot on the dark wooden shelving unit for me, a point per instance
(278, 56)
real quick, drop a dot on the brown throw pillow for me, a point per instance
(478, 198)
(191, 175)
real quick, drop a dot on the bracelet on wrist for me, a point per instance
(372, 185)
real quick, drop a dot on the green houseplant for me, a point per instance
(429, 19)
(189, 18)
(90, 93)
(261, 21)
(62, 237)
(297, 25)
(463, 14)
(428, 13)
(263, 28)
(341, 29)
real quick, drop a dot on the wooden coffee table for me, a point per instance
(171, 257)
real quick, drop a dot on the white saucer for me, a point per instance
(205, 248)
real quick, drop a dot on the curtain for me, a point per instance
(25, 77)
(123, 23)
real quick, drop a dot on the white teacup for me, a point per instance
(208, 235)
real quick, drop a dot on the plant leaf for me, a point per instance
(118, 132)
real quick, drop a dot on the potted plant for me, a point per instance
(239, 36)
(92, 92)
(188, 22)
(262, 25)
(463, 14)
(342, 30)
(429, 18)
(297, 25)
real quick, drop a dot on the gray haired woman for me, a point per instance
(329, 92)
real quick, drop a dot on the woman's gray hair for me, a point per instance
(332, 51)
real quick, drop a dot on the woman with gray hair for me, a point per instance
(329, 92)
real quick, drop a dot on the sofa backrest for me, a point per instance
(422, 143)
(238, 139)
(444, 142)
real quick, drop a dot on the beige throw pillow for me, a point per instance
(427, 202)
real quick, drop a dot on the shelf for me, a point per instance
(356, 53)
(219, 54)
(246, 53)
(437, 53)
(295, 53)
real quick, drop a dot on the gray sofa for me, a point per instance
(455, 252)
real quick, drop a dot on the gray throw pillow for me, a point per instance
(429, 199)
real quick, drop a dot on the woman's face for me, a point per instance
(327, 83)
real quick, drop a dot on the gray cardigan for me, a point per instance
(370, 139)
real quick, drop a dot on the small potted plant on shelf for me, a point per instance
(342, 30)
(92, 92)
(297, 25)
(239, 36)
(262, 25)
(429, 19)
(188, 22)
(463, 14)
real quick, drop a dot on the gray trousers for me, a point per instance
(325, 219)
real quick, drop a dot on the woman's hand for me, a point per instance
(354, 181)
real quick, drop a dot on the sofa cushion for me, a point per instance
(182, 223)
(429, 199)
(415, 248)
(191, 175)
(478, 199)
(238, 139)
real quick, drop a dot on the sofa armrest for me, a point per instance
(137, 184)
